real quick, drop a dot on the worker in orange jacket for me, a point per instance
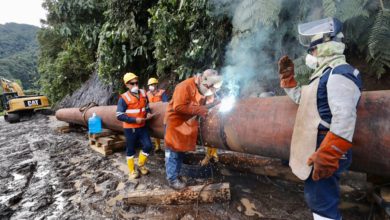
(187, 104)
(155, 94)
(133, 111)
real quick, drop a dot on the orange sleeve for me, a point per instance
(182, 101)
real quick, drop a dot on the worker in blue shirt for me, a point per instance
(133, 111)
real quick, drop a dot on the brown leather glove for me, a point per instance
(286, 73)
(201, 111)
(326, 159)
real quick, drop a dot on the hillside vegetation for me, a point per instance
(173, 39)
(19, 53)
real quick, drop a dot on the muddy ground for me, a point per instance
(48, 175)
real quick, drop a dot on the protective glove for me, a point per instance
(211, 153)
(195, 110)
(325, 160)
(201, 111)
(286, 73)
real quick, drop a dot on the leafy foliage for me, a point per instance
(18, 56)
(125, 43)
(379, 43)
(68, 44)
(186, 36)
(173, 39)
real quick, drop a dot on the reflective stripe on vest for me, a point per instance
(136, 108)
(134, 111)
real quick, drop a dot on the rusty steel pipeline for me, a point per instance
(264, 126)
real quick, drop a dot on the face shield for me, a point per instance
(328, 28)
(210, 84)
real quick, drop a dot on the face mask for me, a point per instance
(311, 61)
(134, 89)
(151, 88)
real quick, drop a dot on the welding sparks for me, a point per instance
(227, 104)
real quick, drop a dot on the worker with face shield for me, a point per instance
(325, 122)
(181, 120)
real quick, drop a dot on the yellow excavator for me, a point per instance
(17, 105)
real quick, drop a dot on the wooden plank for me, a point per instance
(118, 145)
(105, 140)
(121, 137)
(101, 150)
(218, 192)
(104, 133)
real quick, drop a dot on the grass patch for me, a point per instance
(2, 113)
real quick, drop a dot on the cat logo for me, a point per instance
(32, 103)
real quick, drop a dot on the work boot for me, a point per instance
(211, 153)
(133, 173)
(177, 184)
(157, 145)
(142, 158)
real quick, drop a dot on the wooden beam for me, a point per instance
(257, 165)
(218, 192)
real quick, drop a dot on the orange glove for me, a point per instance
(326, 159)
(286, 73)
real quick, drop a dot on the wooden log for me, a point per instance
(257, 165)
(218, 192)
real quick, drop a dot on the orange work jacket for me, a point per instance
(136, 108)
(157, 97)
(182, 129)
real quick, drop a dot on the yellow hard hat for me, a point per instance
(152, 81)
(129, 76)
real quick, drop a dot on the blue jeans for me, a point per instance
(173, 162)
(136, 136)
(323, 196)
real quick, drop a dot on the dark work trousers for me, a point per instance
(323, 196)
(135, 136)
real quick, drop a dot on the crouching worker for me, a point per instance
(155, 94)
(181, 120)
(133, 111)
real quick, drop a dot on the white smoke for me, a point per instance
(249, 66)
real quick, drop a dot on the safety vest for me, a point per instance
(136, 108)
(157, 97)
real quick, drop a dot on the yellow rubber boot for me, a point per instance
(133, 173)
(142, 158)
(214, 154)
(211, 153)
(157, 144)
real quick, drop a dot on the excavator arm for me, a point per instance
(9, 86)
